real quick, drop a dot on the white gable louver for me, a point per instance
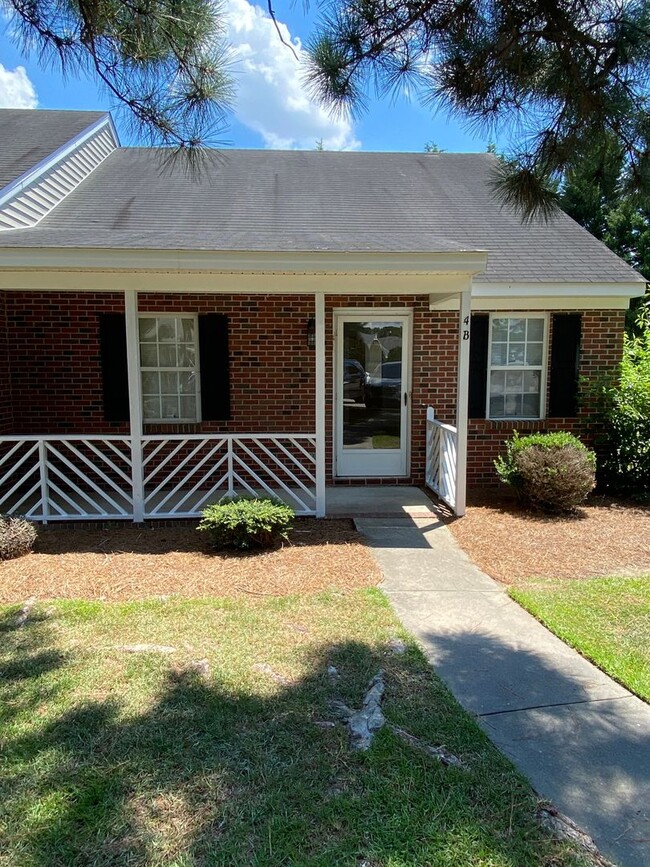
(31, 197)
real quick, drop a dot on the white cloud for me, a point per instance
(271, 97)
(16, 90)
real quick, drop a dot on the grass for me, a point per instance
(116, 758)
(606, 619)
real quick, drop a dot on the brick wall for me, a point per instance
(54, 359)
(55, 374)
(601, 350)
(6, 409)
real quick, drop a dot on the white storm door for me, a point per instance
(372, 394)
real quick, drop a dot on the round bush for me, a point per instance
(17, 537)
(247, 522)
(554, 472)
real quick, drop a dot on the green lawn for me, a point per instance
(117, 758)
(606, 619)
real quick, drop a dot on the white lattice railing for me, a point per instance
(91, 477)
(441, 459)
(66, 478)
(182, 474)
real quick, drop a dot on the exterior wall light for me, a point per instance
(311, 333)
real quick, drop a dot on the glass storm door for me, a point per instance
(372, 395)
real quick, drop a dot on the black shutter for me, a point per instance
(478, 363)
(565, 359)
(215, 373)
(115, 375)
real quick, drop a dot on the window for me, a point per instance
(169, 368)
(516, 366)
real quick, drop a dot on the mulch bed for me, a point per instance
(604, 537)
(125, 562)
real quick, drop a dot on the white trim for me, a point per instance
(462, 397)
(565, 302)
(543, 368)
(159, 261)
(629, 288)
(357, 314)
(135, 401)
(232, 283)
(19, 184)
(319, 301)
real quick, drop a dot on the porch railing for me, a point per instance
(65, 478)
(441, 459)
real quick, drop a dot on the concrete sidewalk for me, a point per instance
(581, 739)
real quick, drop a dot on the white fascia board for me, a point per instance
(469, 262)
(521, 291)
(258, 282)
(557, 302)
(56, 156)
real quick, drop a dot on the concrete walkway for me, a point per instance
(581, 739)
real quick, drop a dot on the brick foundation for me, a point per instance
(50, 375)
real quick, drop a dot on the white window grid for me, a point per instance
(158, 369)
(542, 368)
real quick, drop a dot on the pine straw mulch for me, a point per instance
(604, 537)
(125, 562)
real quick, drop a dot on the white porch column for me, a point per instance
(462, 392)
(319, 298)
(135, 401)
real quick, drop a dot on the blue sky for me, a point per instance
(272, 108)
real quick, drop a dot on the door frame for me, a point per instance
(361, 314)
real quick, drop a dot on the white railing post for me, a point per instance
(428, 457)
(319, 299)
(231, 474)
(462, 397)
(42, 460)
(135, 401)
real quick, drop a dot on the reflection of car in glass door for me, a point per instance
(384, 385)
(354, 381)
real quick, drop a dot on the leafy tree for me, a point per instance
(596, 194)
(164, 60)
(624, 409)
(570, 72)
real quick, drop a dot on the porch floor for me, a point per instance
(370, 501)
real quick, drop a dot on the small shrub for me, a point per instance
(552, 471)
(17, 537)
(247, 522)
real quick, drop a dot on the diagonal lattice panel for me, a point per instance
(278, 466)
(89, 478)
(21, 492)
(442, 445)
(183, 475)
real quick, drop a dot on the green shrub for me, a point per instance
(247, 522)
(553, 471)
(624, 418)
(17, 537)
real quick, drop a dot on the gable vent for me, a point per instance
(24, 203)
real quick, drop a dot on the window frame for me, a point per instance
(197, 369)
(543, 368)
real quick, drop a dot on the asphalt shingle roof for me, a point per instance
(27, 136)
(313, 201)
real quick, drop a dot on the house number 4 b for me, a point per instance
(466, 329)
